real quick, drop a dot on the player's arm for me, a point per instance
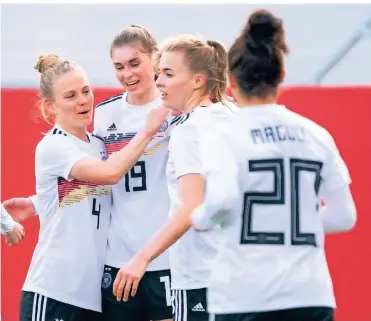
(22, 208)
(221, 191)
(7, 223)
(186, 155)
(191, 191)
(339, 213)
(12, 231)
(78, 165)
(184, 148)
(222, 185)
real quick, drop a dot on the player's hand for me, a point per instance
(127, 279)
(155, 120)
(20, 209)
(16, 236)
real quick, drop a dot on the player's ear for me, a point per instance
(49, 107)
(232, 82)
(199, 80)
(283, 74)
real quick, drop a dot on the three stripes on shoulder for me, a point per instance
(110, 100)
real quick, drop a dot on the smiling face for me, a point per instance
(73, 100)
(134, 69)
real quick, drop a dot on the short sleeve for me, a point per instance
(184, 149)
(98, 130)
(56, 155)
(222, 185)
(216, 154)
(335, 172)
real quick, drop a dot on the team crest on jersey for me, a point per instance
(103, 155)
(106, 280)
(165, 126)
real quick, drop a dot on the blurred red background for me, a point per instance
(344, 111)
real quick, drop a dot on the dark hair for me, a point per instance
(208, 57)
(256, 57)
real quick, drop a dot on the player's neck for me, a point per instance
(79, 132)
(194, 102)
(255, 101)
(149, 96)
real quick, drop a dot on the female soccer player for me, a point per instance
(74, 199)
(274, 167)
(141, 200)
(192, 80)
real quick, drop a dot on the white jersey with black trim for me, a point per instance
(192, 254)
(272, 256)
(140, 199)
(68, 261)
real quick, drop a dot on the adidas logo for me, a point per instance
(112, 128)
(198, 307)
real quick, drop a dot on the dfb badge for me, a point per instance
(106, 280)
(165, 125)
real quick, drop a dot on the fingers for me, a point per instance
(127, 289)
(116, 283)
(124, 285)
(119, 285)
(12, 242)
(134, 288)
(23, 232)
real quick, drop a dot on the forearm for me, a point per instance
(121, 162)
(7, 222)
(173, 230)
(339, 213)
(221, 195)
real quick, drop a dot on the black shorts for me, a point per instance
(37, 307)
(190, 305)
(151, 302)
(298, 314)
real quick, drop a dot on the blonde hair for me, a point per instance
(208, 57)
(50, 66)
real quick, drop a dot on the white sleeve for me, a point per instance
(56, 155)
(96, 126)
(7, 222)
(184, 149)
(339, 214)
(335, 173)
(35, 202)
(222, 184)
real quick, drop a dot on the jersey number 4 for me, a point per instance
(96, 210)
(138, 171)
(277, 197)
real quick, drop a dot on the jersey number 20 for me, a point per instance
(276, 197)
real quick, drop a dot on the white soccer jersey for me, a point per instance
(68, 261)
(140, 199)
(191, 255)
(272, 256)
